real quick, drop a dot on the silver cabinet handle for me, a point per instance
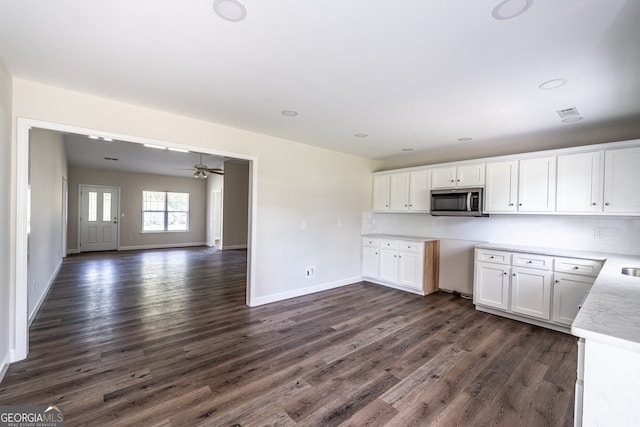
(593, 204)
(607, 204)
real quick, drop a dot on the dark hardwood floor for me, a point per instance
(165, 338)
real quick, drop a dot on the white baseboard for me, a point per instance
(161, 246)
(4, 364)
(73, 251)
(303, 291)
(33, 314)
(226, 248)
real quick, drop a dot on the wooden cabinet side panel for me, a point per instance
(431, 266)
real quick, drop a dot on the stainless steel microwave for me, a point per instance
(457, 202)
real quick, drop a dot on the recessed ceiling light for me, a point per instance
(508, 9)
(361, 135)
(572, 119)
(465, 139)
(93, 137)
(159, 147)
(111, 158)
(407, 149)
(231, 10)
(178, 150)
(107, 139)
(289, 113)
(552, 84)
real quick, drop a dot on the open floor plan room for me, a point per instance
(163, 337)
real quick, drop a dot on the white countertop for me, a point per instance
(611, 312)
(544, 251)
(401, 237)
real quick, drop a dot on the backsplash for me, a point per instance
(587, 233)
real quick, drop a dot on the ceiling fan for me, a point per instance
(201, 170)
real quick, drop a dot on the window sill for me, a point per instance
(163, 231)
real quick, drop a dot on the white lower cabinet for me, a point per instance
(568, 292)
(533, 288)
(370, 260)
(403, 264)
(492, 285)
(531, 292)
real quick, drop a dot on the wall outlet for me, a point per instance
(303, 225)
(310, 272)
(598, 233)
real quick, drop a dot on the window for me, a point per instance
(165, 211)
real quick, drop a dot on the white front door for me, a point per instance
(98, 218)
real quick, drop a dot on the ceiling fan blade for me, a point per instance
(216, 171)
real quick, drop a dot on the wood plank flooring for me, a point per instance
(164, 338)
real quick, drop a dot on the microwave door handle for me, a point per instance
(469, 201)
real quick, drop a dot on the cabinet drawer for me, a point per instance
(410, 246)
(541, 262)
(585, 267)
(371, 243)
(389, 244)
(496, 257)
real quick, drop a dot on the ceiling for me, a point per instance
(411, 75)
(85, 152)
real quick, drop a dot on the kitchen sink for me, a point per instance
(631, 271)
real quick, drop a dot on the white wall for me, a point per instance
(5, 198)
(131, 187)
(295, 183)
(48, 166)
(621, 234)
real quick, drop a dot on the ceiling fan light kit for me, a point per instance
(201, 174)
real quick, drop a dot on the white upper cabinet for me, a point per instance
(566, 181)
(621, 180)
(443, 177)
(399, 194)
(420, 191)
(381, 185)
(579, 187)
(501, 191)
(410, 191)
(458, 176)
(537, 185)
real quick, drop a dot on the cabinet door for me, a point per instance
(399, 192)
(621, 178)
(443, 177)
(537, 185)
(491, 285)
(420, 191)
(568, 292)
(470, 176)
(500, 193)
(370, 262)
(579, 184)
(531, 292)
(381, 192)
(410, 269)
(388, 265)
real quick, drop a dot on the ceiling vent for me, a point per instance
(568, 112)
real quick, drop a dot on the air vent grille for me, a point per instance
(568, 112)
(111, 158)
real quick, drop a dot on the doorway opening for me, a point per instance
(19, 318)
